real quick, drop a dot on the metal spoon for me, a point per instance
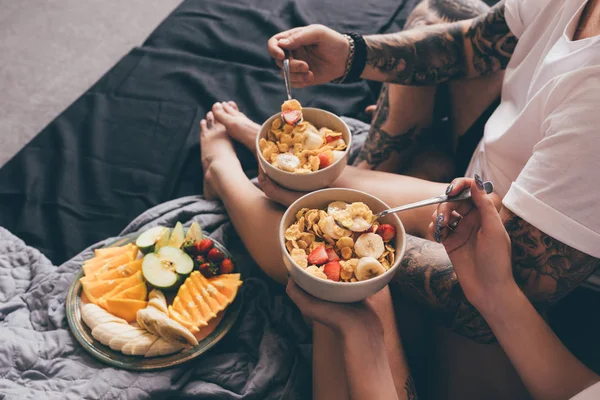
(465, 194)
(288, 84)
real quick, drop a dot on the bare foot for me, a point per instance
(216, 148)
(239, 127)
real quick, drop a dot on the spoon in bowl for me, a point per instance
(465, 194)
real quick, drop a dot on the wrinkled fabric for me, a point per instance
(266, 355)
(131, 141)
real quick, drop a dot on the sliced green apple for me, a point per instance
(163, 240)
(147, 240)
(177, 235)
(194, 234)
(167, 268)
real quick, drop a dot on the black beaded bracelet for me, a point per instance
(359, 60)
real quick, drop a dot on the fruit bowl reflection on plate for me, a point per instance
(318, 179)
(326, 289)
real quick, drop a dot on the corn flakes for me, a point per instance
(307, 234)
(302, 140)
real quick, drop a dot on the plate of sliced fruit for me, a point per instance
(154, 299)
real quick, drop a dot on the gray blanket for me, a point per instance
(266, 355)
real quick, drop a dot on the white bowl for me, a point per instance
(318, 179)
(340, 292)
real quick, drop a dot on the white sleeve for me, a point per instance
(520, 13)
(591, 393)
(559, 188)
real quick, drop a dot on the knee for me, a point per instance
(421, 15)
(432, 12)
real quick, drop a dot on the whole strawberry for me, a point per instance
(215, 255)
(203, 246)
(226, 266)
(208, 269)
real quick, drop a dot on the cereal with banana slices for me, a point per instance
(319, 245)
(297, 146)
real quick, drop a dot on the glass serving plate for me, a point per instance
(214, 332)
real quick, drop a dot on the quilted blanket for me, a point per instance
(265, 356)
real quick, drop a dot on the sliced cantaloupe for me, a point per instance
(215, 300)
(126, 284)
(190, 306)
(125, 308)
(137, 292)
(113, 251)
(201, 305)
(199, 300)
(226, 284)
(110, 263)
(122, 271)
(96, 289)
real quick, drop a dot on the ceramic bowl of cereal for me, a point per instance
(303, 149)
(335, 263)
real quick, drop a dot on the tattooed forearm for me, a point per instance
(422, 56)
(545, 269)
(379, 144)
(434, 54)
(491, 41)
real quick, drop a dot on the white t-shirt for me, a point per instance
(541, 147)
(591, 393)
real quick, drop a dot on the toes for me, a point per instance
(203, 126)
(233, 104)
(230, 109)
(210, 119)
(218, 111)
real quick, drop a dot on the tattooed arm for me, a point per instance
(434, 54)
(545, 269)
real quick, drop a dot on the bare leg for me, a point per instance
(329, 377)
(248, 208)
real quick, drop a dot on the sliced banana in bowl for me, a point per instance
(356, 216)
(369, 245)
(367, 268)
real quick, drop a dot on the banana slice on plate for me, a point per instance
(367, 268)
(140, 345)
(160, 324)
(287, 162)
(157, 299)
(161, 348)
(94, 315)
(369, 245)
(104, 333)
(118, 342)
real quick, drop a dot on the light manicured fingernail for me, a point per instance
(284, 41)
